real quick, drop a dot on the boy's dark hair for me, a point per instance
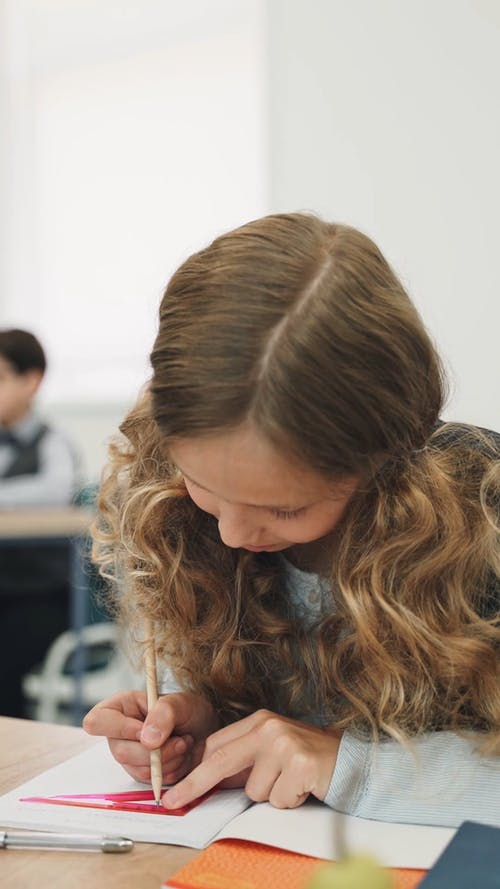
(22, 349)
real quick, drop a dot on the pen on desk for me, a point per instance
(63, 842)
(152, 697)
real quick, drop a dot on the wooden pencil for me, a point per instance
(152, 697)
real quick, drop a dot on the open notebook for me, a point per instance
(310, 829)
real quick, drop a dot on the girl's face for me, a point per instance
(261, 500)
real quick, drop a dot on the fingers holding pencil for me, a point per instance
(176, 725)
(124, 716)
(152, 735)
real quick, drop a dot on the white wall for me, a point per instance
(380, 113)
(386, 114)
(135, 134)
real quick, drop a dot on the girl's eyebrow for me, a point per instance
(287, 508)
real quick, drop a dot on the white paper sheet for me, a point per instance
(311, 829)
(95, 771)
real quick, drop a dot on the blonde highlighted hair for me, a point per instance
(302, 328)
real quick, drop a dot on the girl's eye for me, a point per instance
(284, 514)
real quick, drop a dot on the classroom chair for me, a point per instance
(52, 689)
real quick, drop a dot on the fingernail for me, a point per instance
(151, 734)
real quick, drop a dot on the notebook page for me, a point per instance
(311, 829)
(95, 771)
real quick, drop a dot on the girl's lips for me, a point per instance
(259, 549)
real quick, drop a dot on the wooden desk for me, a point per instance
(29, 748)
(44, 523)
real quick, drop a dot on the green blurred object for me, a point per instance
(352, 872)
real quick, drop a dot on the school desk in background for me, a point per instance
(42, 529)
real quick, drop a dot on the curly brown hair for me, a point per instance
(302, 328)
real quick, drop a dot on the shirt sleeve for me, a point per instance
(167, 684)
(53, 485)
(442, 780)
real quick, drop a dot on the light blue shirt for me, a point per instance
(441, 780)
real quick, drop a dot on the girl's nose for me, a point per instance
(237, 527)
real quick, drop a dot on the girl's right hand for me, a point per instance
(179, 723)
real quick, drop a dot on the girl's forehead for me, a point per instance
(241, 465)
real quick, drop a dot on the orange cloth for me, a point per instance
(238, 864)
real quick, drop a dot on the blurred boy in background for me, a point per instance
(38, 468)
(37, 463)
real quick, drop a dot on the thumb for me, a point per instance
(151, 735)
(159, 723)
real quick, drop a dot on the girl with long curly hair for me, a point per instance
(319, 552)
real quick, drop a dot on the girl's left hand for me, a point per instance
(274, 758)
